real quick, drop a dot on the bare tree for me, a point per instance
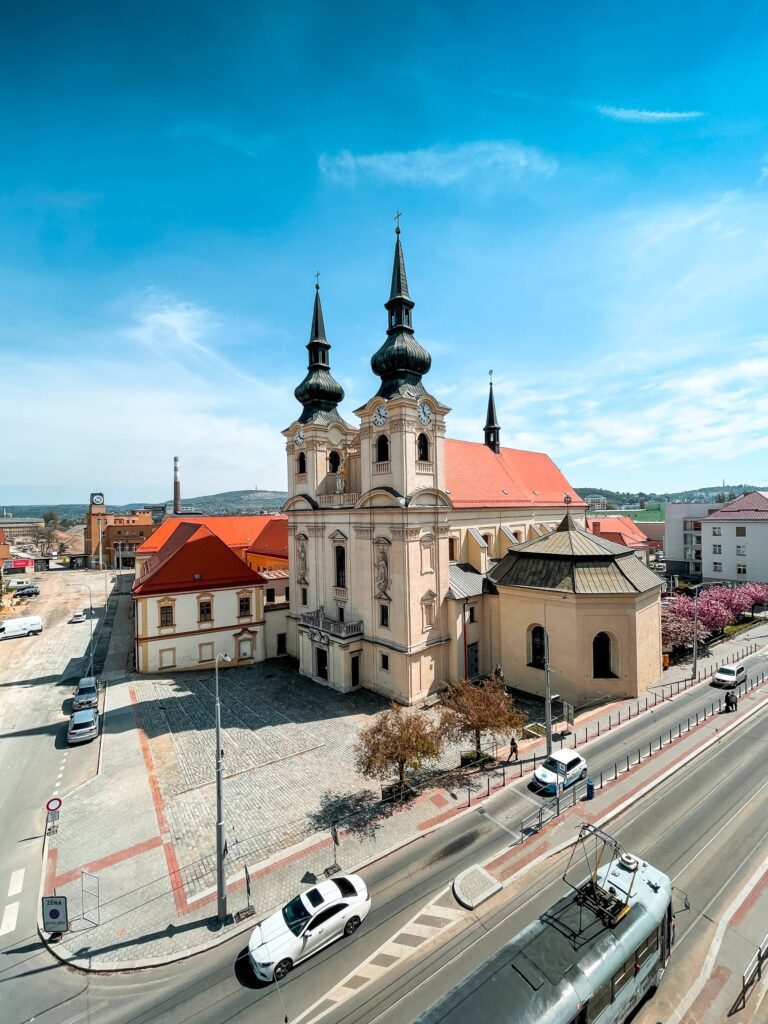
(470, 710)
(397, 739)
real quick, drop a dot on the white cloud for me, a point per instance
(443, 166)
(649, 116)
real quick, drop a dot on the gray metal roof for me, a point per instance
(574, 561)
(464, 581)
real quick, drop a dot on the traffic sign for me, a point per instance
(55, 914)
(54, 803)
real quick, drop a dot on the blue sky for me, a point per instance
(584, 191)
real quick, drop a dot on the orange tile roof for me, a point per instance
(620, 529)
(235, 531)
(478, 478)
(194, 559)
(273, 539)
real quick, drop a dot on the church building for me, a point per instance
(399, 539)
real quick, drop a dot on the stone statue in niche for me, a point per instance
(382, 570)
(301, 576)
(340, 481)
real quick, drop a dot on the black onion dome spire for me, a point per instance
(492, 430)
(319, 393)
(401, 361)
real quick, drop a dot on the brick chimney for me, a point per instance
(596, 527)
(176, 487)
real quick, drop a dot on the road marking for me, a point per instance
(10, 915)
(17, 882)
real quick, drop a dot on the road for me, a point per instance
(37, 674)
(218, 986)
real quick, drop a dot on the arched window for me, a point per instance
(382, 448)
(341, 566)
(301, 463)
(422, 448)
(334, 461)
(601, 657)
(537, 647)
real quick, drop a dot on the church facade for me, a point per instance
(394, 528)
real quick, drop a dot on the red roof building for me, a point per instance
(621, 530)
(750, 506)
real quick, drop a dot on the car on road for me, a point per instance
(86, 694)
(27, 591)
(77, 616)
(83, 726)
(561, 769)
(306, 924)
(729, 676)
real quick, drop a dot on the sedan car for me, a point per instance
(562, 768)
(306, 924)
(27, 591)
(86, 694)
(83, 726)
(77, 617)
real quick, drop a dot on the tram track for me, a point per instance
(487, 928)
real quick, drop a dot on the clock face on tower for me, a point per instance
(380, 415)
(97, 499)
(425, 413)
(299, 438)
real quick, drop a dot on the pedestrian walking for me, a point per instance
(512, 749)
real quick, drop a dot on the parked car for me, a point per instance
(306, 924)
(77, 616)
(24, 626)
(562, 768)
(86, 694)
(83, 726)
(730, 676)
(28, 591)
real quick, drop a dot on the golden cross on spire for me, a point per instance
(398, 215)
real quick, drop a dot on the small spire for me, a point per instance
(492, 430)
(317, 332)
(399, 289)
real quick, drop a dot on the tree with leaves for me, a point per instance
(51, 519)
(678, 631)
(396, 739)
(471, 710)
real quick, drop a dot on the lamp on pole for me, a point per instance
(221, 879)
(548, 695)
(90, 621)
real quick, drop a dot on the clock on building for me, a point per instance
(97, 499)
(299, 438)
(380, 415)
(425, 413)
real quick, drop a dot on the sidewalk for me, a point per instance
(132, 904)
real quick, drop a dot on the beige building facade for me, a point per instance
(394, 531)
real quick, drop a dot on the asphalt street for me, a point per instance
(218, 986)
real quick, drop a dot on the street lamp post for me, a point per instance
(547, 694)
(221, 879)
(90, 622)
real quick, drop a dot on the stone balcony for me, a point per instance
(337, 500)
(318, 620)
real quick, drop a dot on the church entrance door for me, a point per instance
(322, 663)
(473, 660)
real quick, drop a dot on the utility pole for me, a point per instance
(547, 694)
(221, 877)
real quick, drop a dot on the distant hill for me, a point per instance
(633, 499)
(228, 503)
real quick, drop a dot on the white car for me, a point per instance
(77, 617)
(306, 924)
(562, 768)
(730, 675)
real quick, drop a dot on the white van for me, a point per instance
(18, 581)
(20, 627)
(730, 675)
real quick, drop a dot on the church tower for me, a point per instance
(402, 426)
(318, 443)
(492, 430)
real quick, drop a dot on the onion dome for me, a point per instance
(319, 393)
(401, 361)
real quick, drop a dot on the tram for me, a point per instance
(589, 959)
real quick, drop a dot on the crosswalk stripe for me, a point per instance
(17, 883)
(10, 916)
